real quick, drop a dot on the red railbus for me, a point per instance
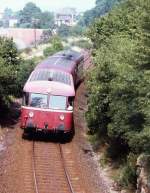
(48, 95)
(47, 106)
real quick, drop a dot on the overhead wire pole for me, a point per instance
(35, 21)
(35, 36)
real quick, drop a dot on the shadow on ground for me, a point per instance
(10, 116)
(49, 137)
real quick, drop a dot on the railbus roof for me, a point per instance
(71, 54)
(49, 87)
(64, 60)
(51, 75)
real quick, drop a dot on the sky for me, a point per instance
(49, 5)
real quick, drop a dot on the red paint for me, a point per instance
(51, 118)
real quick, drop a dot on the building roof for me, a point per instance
(63, 17)
(49, 87)
(67, 11)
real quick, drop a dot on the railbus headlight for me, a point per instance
(31, 114)
(62, 117)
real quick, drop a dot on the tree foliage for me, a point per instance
(9, 62)
(119, 98)
(55, 46)
(31, 16)
(14, 72)
(24, 70)
(46, 20)
(102, 7)
(65, 31)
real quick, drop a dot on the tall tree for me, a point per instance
(31, 16)
(46, 20)
(9, 63)
(29, 13)
(7, 13)
(102, 7)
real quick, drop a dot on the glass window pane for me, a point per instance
(57, 102)
(38, 100)
(25, 100)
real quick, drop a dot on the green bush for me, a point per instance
(128, 172)
(56, 46)
(24, 70)
(9, 64)
(83, 44)
(118, 84)
(49, 51)
(66, 31)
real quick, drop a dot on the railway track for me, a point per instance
(65, 170)
(49, 169)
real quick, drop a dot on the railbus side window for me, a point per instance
(25, 101)
(70, 101)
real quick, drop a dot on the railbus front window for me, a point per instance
(57, 102)
(38, 100)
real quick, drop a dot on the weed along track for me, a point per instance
(50, 169)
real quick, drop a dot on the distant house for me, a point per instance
(66, 16)
(13, 22)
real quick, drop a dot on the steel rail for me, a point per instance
(65, 170)
(34, 172)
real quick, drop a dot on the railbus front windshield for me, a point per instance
(38, 100)
(57, 102)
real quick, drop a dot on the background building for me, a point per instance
(13, 22)
(67, 16)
